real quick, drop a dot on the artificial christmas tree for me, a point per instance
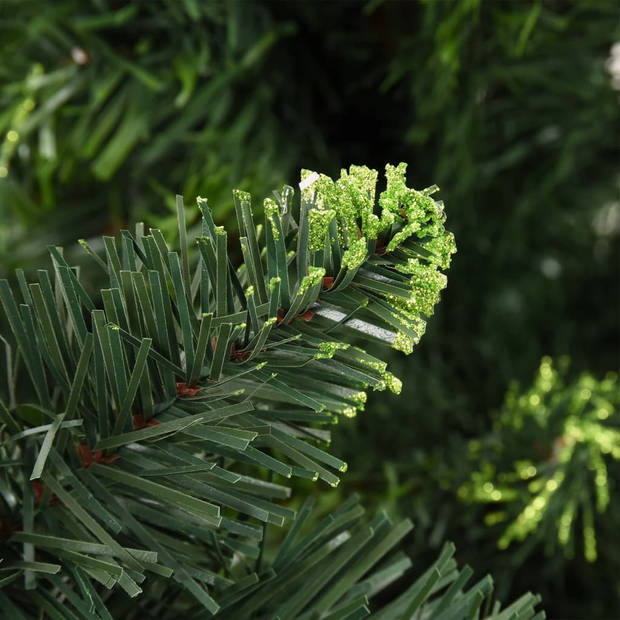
(545, 467)
(141, 441)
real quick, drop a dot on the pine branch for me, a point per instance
(158, 415)
(339, 567)
(546, 466)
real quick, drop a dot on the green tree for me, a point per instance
(147, 463)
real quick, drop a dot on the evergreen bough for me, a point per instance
(550, 463)
(141, 440)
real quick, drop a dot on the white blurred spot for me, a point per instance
(613, 65)
(550, 267)
(606, 221)
(79, 56)
(549, 134)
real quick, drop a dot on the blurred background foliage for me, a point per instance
(548, 466)
(108, 108)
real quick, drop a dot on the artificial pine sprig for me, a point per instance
(140, 465)
(545, 467)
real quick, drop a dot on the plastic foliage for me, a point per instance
(108, 95)
(546, 464)
(144, 441)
